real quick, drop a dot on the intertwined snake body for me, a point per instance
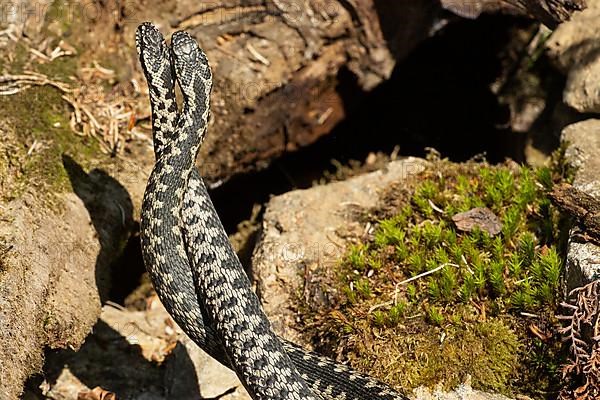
(191, 262)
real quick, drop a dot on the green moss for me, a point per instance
(466, 317)
(20, 57)
(435, 316)
(39, 115)
(487, 351)
(62, 68)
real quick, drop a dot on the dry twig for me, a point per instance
(101, 115)
(12, 84)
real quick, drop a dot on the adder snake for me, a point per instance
(191, 262)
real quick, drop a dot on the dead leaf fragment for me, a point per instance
(96, 393)
(543, 336)
(479, 217)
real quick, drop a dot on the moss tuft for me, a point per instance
(470, 311)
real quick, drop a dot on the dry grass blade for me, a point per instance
(12, 84)
(104, 114)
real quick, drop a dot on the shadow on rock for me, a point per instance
(108, 204)
(118, 356)
(114, 361)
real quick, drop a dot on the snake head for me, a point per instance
(191, 65)
(152, 48)
(195, 81)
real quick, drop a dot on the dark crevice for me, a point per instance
(438, 97)
(127, 270)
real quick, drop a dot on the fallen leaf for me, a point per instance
(543, 336)
(479, 217)
(96, 393)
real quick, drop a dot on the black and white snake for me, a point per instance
(191, 262)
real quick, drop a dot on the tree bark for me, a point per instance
(277, 65)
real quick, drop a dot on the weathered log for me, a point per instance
(277, 64)
(583, 207)
(548, 12)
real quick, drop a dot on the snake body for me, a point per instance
(191, 262)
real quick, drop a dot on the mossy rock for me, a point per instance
(38, 136)
(421, 302)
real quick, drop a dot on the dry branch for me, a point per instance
(583, 207)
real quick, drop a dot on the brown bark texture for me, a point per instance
(583, 207)
(548, 12)
(277, 66)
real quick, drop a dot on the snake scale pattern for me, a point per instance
(191, 262)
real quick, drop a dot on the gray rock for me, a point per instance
(462, 392)
(299, 234)
(575, 49)
(583, 259)
(53, 273)
(584, 147)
